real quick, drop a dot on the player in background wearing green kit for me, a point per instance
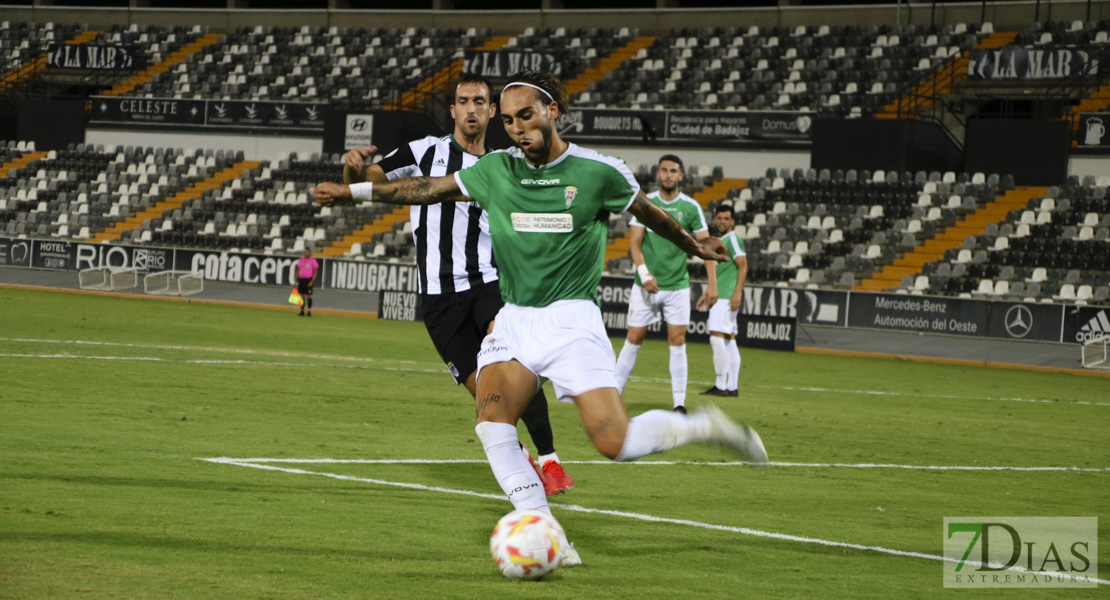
(662, 285)
(731, 276)
(549, 203)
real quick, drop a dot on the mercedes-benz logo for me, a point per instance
(1019, 321)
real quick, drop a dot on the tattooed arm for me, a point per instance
(413, 190)
(664, 224)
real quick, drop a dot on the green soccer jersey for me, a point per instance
(665, 261)
(548, 225)
(727, 273)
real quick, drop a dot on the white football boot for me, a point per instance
(571, 557)
(737, 436)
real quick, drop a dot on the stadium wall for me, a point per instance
(770, 313)
(1004, 15)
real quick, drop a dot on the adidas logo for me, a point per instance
(439, 163)
(1095, 329)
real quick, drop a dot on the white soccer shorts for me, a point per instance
(721, 319)
(564, 342)
(645, 309)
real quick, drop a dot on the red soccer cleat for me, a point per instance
(555, 479)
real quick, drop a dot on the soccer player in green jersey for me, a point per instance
(549, 202)
(662, 285)
(731, 276)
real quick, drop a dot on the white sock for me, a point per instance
(678, 374)
(661, 430)
(510, 466)
(733, 366)
(720, 360)
(543, 459)
(625, 361)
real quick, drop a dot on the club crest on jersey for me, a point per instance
(679, 217)
(570, 192)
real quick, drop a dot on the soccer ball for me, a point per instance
(528, 544)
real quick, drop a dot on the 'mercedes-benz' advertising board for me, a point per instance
(923, 314)
(1025, 321)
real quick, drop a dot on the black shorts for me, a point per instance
(457, 323)
(302, 285)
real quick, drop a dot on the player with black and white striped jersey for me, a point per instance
(460, 290)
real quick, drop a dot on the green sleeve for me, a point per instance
(474, 182)
(696, 221)
(730, 248)
(741, 249)
(621, 188)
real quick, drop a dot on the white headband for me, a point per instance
(535, 87)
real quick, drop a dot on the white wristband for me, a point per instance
(362, 191)
(643, 271)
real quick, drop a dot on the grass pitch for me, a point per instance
(109, 403)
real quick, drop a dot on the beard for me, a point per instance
(540, 146)
(668, 189)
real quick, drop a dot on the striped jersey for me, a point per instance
(453, 248)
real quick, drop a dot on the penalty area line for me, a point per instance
(629, 515)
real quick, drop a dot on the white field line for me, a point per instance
(208, 349)
(629, 515)
(430, 461)
(417, 368)
(916, 395)
(887, 393)
(201, 361)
